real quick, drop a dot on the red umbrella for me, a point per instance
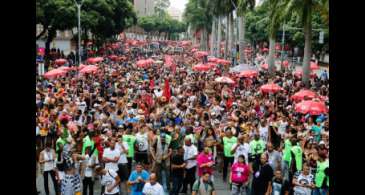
(248, 73)
(314, 66)
(194, 50)
(89, 69)
(64, 68)
(82, 66)
(224, 62)
(213, 59)
(200, 54)
(299, 74)
(113, 57)
(95, 60)
(302, 94)
(311, 107)
(201, 67)
(270, 88)
(54, 73)
(265, 49)
(211, 64)
(61, 61)
(265, 66)
(224, 80)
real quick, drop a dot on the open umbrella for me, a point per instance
(265, 49)
(82, 66)
(299, 74)
(248, 73)
(311, 107)
(265, 66)
(54, 73)
(224, 80)
(270, 88)
(314, 66)
(224, 62)
(61, 61)
(113, 57)
(285, 63)
(200, 54)
(211, 64)
(201, 68)
(194, 50)
(300, 95)
(89, 69)
(64, 68)
(213, 59)
(95, 60)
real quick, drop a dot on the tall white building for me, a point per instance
(144, 7)
(175, 13)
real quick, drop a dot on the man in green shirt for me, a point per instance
(322, 175)
(257, 147)
(130, 139)
(228, 141)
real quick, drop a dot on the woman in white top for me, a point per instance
(110, 180)
(47, 159)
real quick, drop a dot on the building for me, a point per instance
(144, 7)
(175, 13)
(62, 41)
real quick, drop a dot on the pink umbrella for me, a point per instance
(314, 66)
(311, 107)
(224, 80)
(200, 54)
(95, 60)
(89, 69)
(265, 49)
(211, 64)
(265, 66)
(285, 63)
(270, 88)
(201, 68)
(82, 66)
(299, 74)
(194, 50)
(61, 61)
(113, 57)
(248, 73)
(213, 59)
(224, 62)
(64, 68)
(54, 73)
(302, 94)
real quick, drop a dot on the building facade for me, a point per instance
(62, 41)
(144, 7)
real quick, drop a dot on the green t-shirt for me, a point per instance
(88, 142)
(287, 151)
(227, 145)
(320, 174)
(298, 153)
(257, 147)
(130, 139)
(59, 141)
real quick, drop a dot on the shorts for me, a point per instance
(123, 172)
(141, 157)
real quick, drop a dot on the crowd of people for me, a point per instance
(157, 130)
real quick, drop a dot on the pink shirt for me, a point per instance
(202, 159)
(240, 173)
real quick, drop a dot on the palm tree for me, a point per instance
(242, 7)
(275, 17)
(304, 9)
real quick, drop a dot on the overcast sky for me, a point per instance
(180, 4)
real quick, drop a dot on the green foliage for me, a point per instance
(198, 14)
(161, 7)
(160, 24)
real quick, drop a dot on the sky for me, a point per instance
(180, 4)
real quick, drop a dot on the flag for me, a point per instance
(166, 90)
(152, 84)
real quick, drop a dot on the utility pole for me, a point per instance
(78, 5)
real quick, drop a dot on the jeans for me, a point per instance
(320, 191)
(176, 185)
(163, 168)
(189, 179)
(53, 176)
(88, 183)
(239, 189)
(226, 161)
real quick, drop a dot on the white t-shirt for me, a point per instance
(241, 150)
(89, 161)
(303, 179)
(123, 156)
(264, 133)
(142, 141)
(108, 153)
(190, 151)
(82, 106)
(156, 189)
(48, 156)
(109, 179)
(282, 127)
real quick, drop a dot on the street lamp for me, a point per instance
(78, 5)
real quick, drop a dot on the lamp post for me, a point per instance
(78, 5)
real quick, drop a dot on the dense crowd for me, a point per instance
(162, 129)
